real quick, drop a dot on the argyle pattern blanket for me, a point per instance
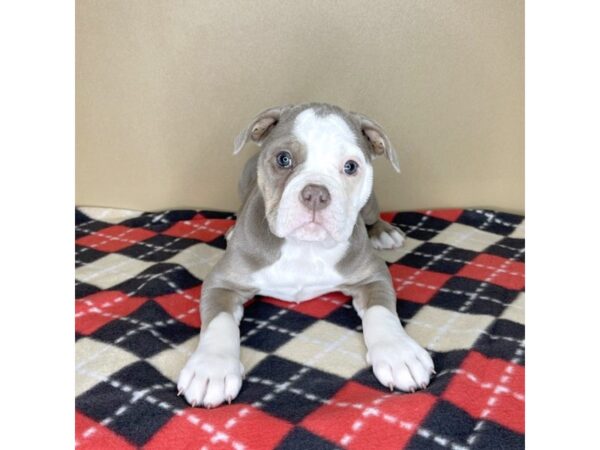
(459, 281)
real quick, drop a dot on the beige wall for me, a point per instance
(164, 86)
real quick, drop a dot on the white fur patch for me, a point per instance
(213, 374)
(397, 360)
(329, 144)
(305, 270)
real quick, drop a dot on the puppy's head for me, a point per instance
(315, 168)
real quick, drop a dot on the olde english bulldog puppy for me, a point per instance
(308, 225)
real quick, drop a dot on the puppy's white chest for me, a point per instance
(304, 271)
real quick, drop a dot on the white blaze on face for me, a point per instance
(329, 144)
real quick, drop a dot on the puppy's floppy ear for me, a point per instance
(259, 128)
(378, 140)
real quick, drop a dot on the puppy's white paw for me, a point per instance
(401, 364)
(388, 240)
(385, 236)
(210, 379)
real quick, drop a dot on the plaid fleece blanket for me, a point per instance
(459, 281)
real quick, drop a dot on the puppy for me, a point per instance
(308, 225)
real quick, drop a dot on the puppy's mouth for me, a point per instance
(306, 227)
(312, 231)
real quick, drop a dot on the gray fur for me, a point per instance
(248, 178)
(370, 212)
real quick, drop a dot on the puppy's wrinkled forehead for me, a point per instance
(322, 132)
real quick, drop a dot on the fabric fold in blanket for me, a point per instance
(459, 281)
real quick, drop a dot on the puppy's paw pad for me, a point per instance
(209, 379)
(403, 365)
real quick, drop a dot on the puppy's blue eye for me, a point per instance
(350, 167)
(284, 160)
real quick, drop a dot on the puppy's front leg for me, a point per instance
(213, 374)
(397, 359)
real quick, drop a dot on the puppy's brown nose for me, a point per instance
(315, 197)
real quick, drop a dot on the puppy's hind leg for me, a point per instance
(383, 235)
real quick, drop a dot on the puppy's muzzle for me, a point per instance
(315, 197)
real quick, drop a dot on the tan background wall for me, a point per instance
(164, 86)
